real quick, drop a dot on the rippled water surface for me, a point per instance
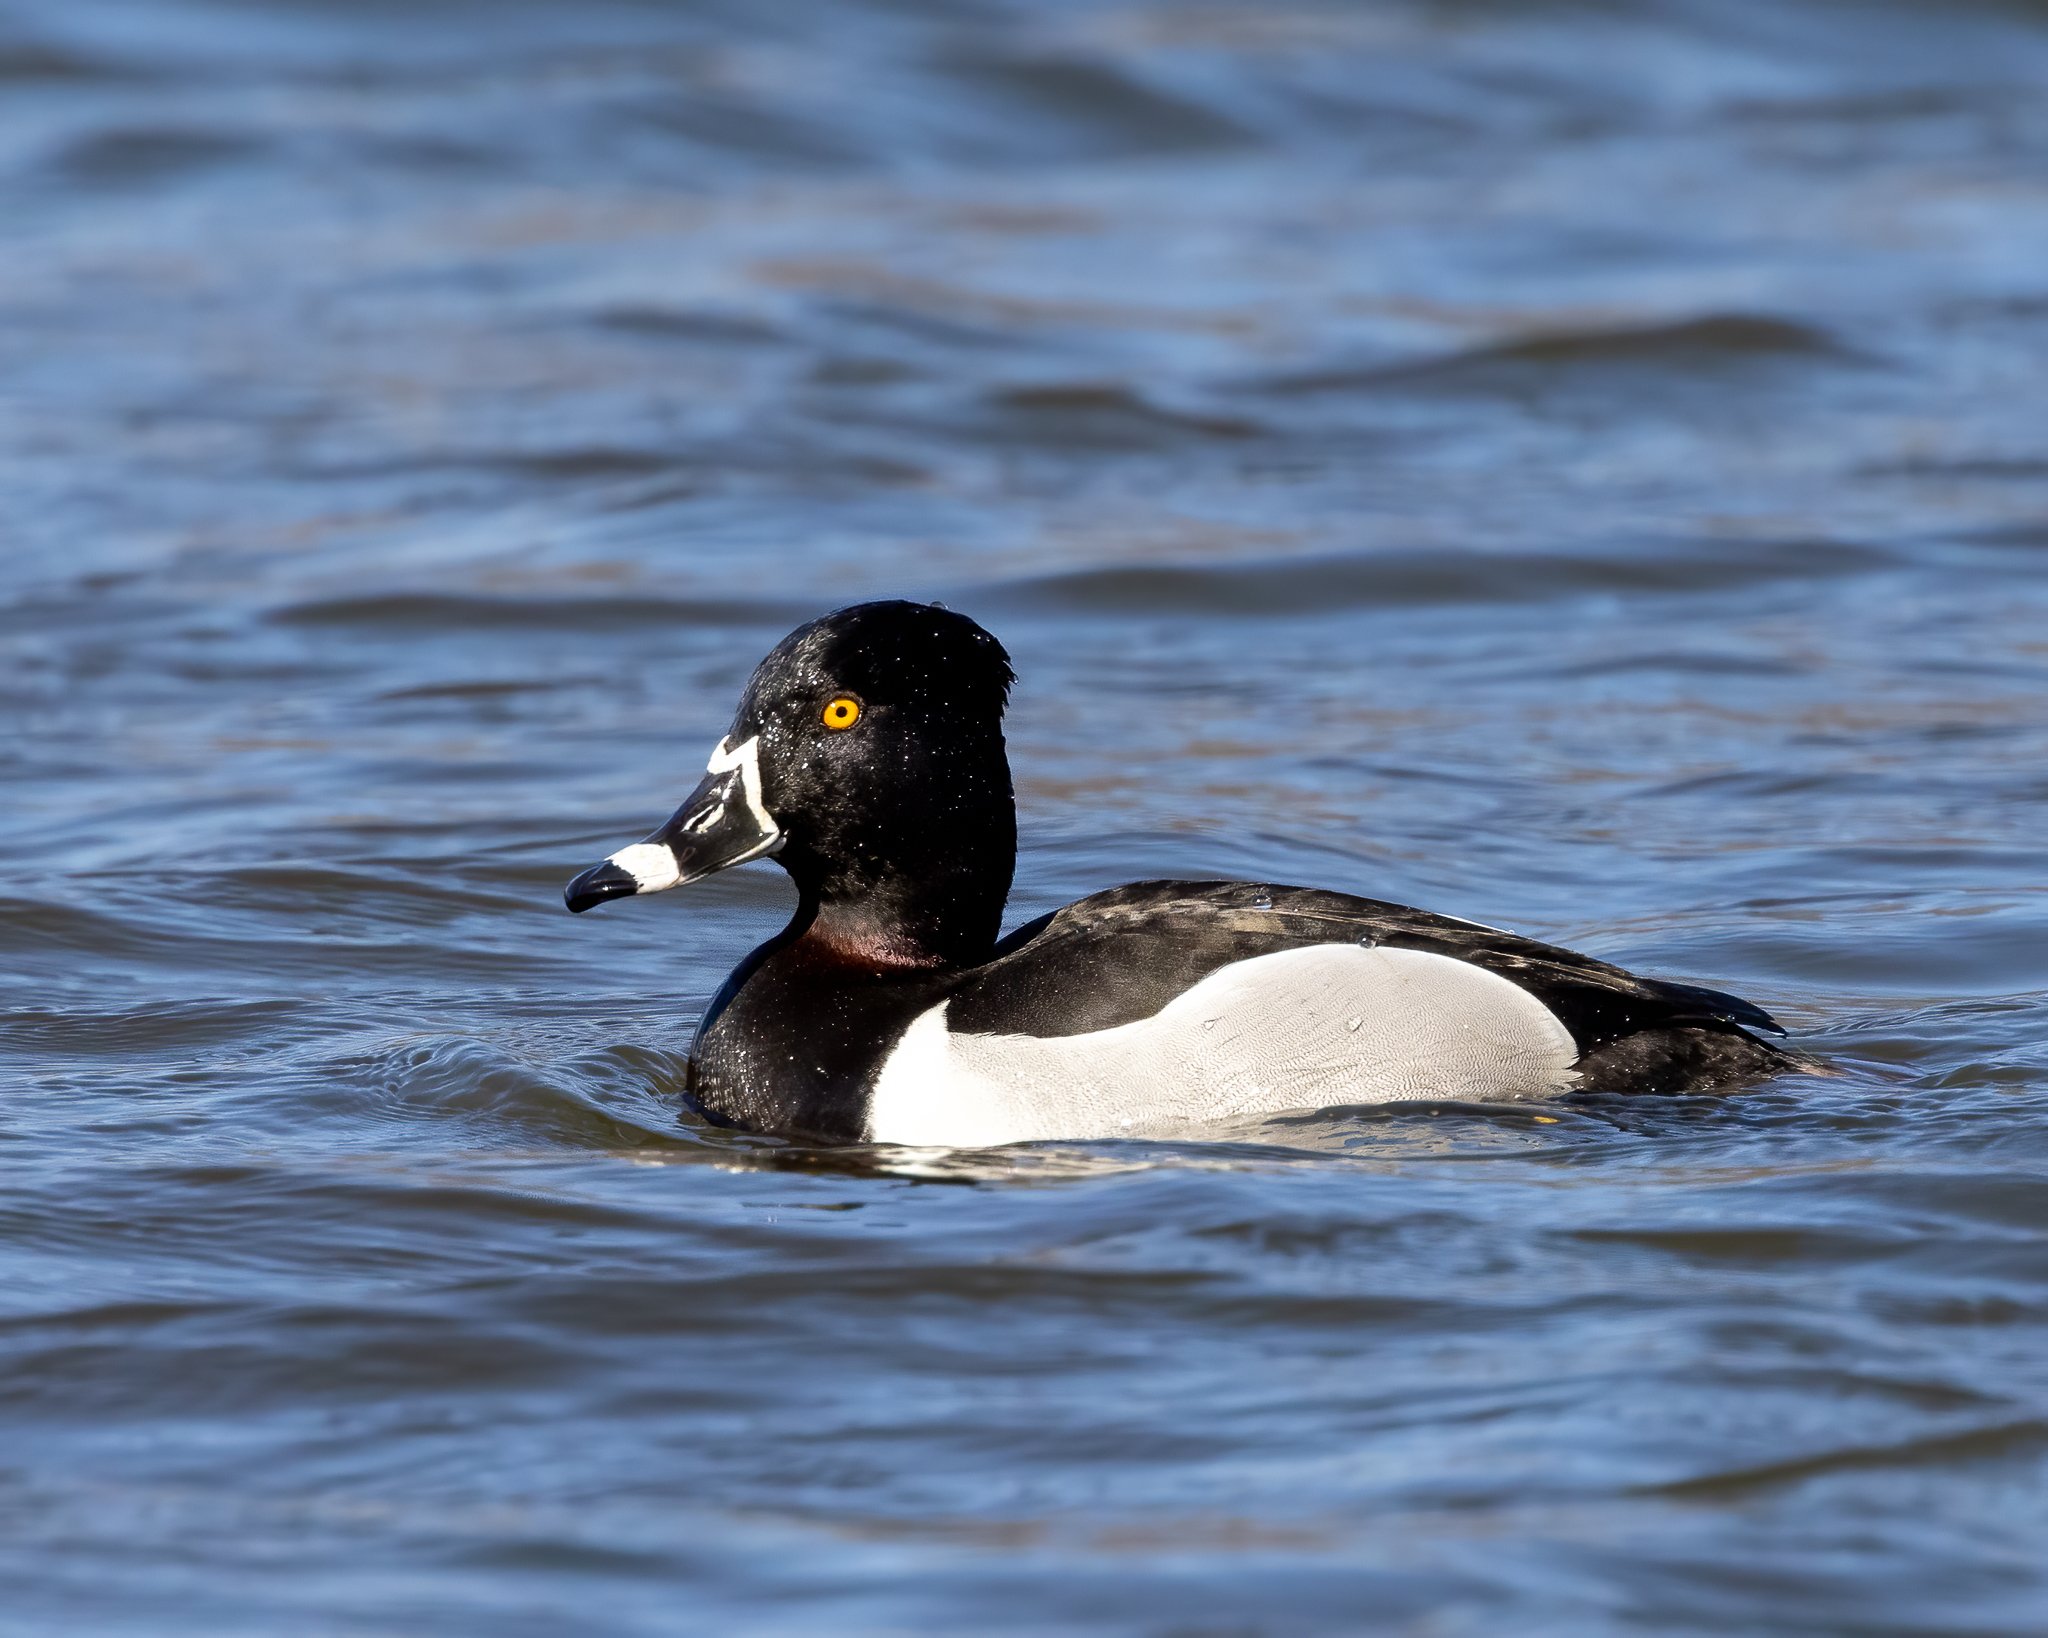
(1583, 467)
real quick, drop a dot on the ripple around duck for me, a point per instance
(630, 1097)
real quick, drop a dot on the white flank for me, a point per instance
(650, 864)
(1299, 1029)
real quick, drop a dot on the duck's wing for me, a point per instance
(1119, 956)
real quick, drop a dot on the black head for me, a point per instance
(867, 757)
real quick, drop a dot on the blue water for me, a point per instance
(1577, 466)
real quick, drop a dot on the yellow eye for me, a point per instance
(842, 713)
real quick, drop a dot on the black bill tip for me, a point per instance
(595, 885)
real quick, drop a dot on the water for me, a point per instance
(1575, 466)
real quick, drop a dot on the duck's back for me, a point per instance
(1164, 1007)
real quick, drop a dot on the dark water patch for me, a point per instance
(45, 611)
(1757, 784)
(643, 320)
(215, 1372)
(1699, 662)
(2013, 1441)
(1757, 1244)
(1715, 344)
(2017, 468)
(570, 465)
(1099, 416)
(2023, 536)
(431, 611)
(488, 689)
(1398, 578)
(31, 63)
(933, 318)
(420, 154)
(574, 464)
(1910, 102)
(147, 156)
(862, 371)
(1076, 107)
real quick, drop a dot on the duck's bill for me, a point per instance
(721, 825)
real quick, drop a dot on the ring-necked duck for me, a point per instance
(867, 758)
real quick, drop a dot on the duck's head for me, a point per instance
(867, 758)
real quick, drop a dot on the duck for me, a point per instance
(867, 759)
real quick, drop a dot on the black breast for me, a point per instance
(794, 1038)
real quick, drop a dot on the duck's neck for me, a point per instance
(936, 905)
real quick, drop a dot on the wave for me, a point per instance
(1416, 578)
